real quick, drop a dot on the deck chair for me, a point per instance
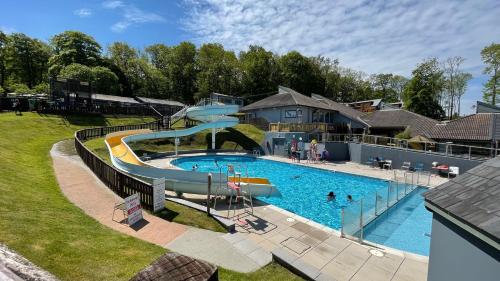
(370, 161)
(453, 170)
(388, 164)
(406, 166)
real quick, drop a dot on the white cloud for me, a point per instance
(112, 4)
(371, 36)
(7, 29)
(83, 13)
(130, 15)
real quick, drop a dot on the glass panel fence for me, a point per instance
(351, 219)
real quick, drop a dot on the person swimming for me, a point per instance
(331, 196)
(349, 198)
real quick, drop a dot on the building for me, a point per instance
(165, 107)
(366, 105)
(314, 113)
(393, 121)
(465, 239)
(481, 129)
(482, 107)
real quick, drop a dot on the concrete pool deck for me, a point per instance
(316, 249)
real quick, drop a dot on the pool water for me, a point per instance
(407, 225)
(304, 190)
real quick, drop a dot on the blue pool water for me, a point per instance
(406, 226)
(304, 189)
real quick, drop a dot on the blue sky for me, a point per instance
(372, 36)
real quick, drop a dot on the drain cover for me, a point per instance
(376, 253)
(290, 219)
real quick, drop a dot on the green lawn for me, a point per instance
(41, 224)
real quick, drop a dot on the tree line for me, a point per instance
(186, 73)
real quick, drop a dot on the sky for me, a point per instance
(374, 36)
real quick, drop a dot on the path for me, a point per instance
(86, 191)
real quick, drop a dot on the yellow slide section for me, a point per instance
(120, 150)
(250, 180)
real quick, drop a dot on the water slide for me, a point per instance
(211, 116)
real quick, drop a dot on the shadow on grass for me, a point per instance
(167, 214)
(233, 135)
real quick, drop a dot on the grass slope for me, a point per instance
(41, 224)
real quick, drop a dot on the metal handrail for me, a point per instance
(471, 151)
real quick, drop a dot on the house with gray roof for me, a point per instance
(481, 129)
(465, 239)
(165, 107)
(482, 107)
(392, 121)
(289, 106)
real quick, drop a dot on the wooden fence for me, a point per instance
(118, 181)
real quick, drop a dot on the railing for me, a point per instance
(298, 127)
(447, 149)
(121, 183)
(358, 214)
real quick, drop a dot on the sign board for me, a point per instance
(134, 209)
(158, 194)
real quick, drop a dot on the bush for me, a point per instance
(405, 135)
(20, 88)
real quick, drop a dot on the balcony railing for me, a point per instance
(447, 149)
(298, 127)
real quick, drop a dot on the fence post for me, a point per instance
(388, 193)
(361, 222)
(342, 234)
(208, 193)
(470, 150)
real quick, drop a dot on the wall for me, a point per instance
(275, 115)
(398, 156)
(338, 151)
(457, 255)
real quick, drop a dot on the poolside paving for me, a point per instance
(318, 250)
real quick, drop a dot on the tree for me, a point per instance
(301, 74)
(451, 69)
(26, 59)
(73, 47)
(422, 91)
(398, 84)
(182, 71)
(491, 57)
(260, 72)
(461, 81)
(3, 43)
(78, 72)
(382, 87)
(218, 71)
(42, 88)
(104, 81)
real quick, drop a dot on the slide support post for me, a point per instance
(213, 138)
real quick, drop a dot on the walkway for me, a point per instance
(86, 191)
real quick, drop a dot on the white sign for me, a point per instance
(158, 194)
(134, 209)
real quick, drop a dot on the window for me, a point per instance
(293, 113)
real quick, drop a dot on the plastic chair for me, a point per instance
(406, 165)
(388, 164)
(370, 161)
(419, 167)
(453, 170)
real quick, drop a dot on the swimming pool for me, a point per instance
(304, 189)
(407, 225)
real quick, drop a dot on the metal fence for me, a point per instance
(121, 183)
(446, 149)
(358, 214)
